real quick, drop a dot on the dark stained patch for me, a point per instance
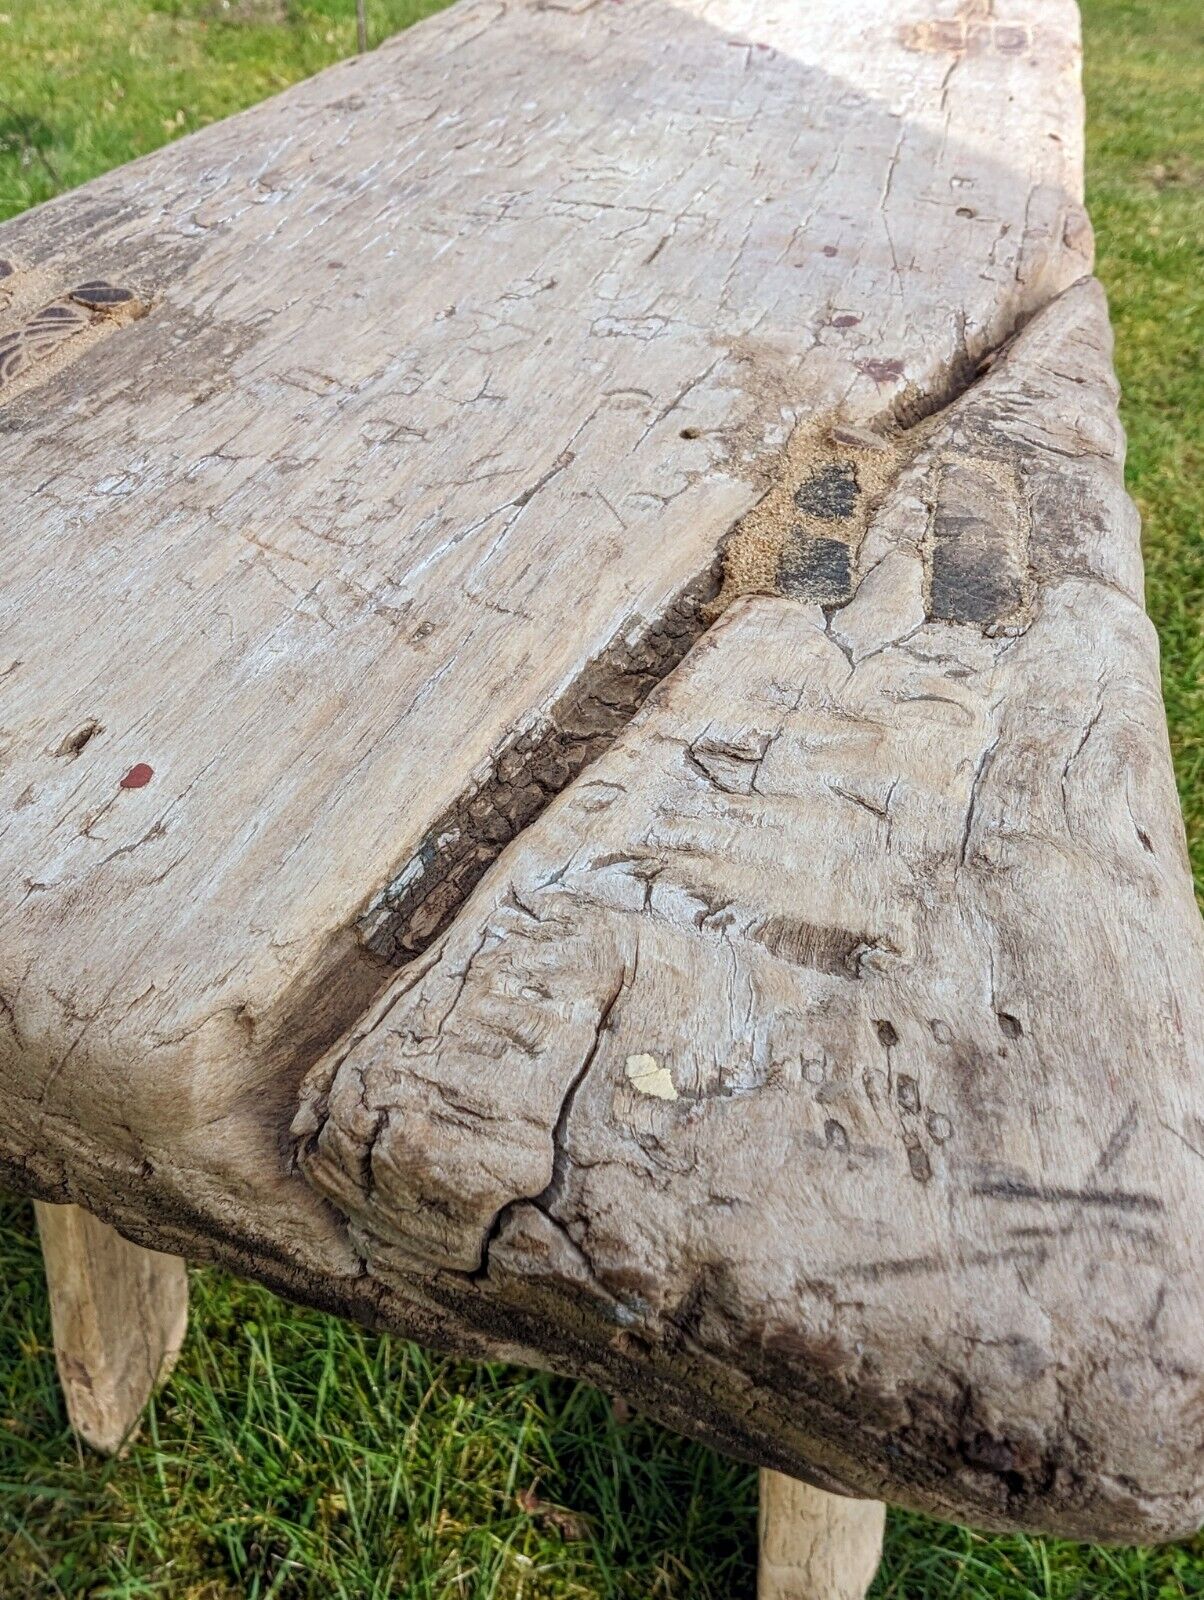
(814, 569)
(830, 493)
(99, 295)
(1071, 523)
(976, 571)
(971, 583)
(6, 269)
(942, 35)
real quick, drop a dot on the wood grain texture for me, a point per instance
(461, 367)
(815, 1546)
(118, 1314)
(835, 1040)
(381, 521)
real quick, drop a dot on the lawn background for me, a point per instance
(294, 1456)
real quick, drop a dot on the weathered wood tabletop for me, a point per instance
(667, 449)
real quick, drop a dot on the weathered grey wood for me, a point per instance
(833, 1044)
(458, 366)
(815, 1546)
(118, 1314)
(381, 519)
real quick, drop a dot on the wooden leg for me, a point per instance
(118, 1314)
(816, 1546)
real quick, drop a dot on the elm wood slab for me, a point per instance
(412, 464)
(328, 568)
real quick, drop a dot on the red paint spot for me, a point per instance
(829, 249)
(138, 776)
(845, 322)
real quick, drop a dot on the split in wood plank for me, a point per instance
(831, 1047)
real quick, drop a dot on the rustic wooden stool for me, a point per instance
(583, 769)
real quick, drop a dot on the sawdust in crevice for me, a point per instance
(40, 337)
(802, 538)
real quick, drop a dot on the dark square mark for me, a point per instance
(830, 493)
(973, 583)
(814, 569)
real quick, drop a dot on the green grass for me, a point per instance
(293, 1456)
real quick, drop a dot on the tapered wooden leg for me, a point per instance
(816, 1546)
(118, 1314)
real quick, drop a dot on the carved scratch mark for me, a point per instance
(1049, 1194)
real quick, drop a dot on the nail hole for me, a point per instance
(887, 1035)
(939, 1126)
(835, 1136)
(75, 742)
(691, 433)
(1145, 840)
(907, 1093)
(1010, 1025)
